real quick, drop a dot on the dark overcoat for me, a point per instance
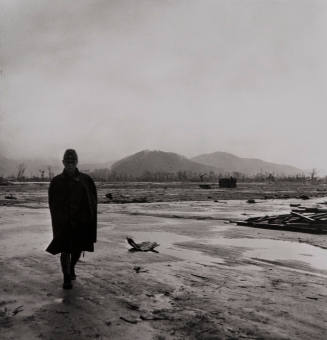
(73, 208)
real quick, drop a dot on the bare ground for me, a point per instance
(207, 281)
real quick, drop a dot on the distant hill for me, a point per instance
(248, 166)
(157, 161)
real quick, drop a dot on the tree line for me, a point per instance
(106, 175)
(190, 176)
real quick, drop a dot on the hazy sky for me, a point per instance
(111, 78)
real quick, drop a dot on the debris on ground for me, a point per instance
(200, 276)
(304, 197)
(121, 199)
(205, 186)
(6, 315)
(17, 310)
(129, 320)
(140, 269)
(151, 317)
(139, 200)
(143, 246)
(303, 219)
(125, 200)
(132, 305)
(62, 312)
(10, 197)
(251, 201)
(109, 195)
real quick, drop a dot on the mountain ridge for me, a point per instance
(159, 161)
(247, 166)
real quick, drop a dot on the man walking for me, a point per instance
(73, 208)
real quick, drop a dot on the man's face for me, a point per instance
(70, 164)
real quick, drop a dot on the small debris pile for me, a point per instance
(205, 186)
(10, 197)
(301, 219)
(143, 246)
(121, 199)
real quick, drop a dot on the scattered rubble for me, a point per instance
(140, 269)
(10, 197)
(6, 315)
(205, 186)
(143, 246)
(129, 320)
(303, 219)
(304, 197)
(120, 199)
(109, 195)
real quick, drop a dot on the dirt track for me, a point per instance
(210, 279)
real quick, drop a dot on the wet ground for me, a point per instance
(210, 280)
(147, 192)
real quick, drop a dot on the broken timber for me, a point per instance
(143, 246)
(309, 220)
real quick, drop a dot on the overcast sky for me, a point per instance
(111, 78)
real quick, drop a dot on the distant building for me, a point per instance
(227, 182)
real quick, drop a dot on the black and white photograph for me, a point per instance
(163, 169)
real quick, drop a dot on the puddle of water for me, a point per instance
(264, 249)
(301, 271)
(167, 241)
(274, 250)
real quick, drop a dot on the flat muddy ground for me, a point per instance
(210, 279)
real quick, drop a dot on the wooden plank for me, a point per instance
(295, 227)
(319, 216)
(302, 216)
(311, 210)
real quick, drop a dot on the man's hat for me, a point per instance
(70, 154)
